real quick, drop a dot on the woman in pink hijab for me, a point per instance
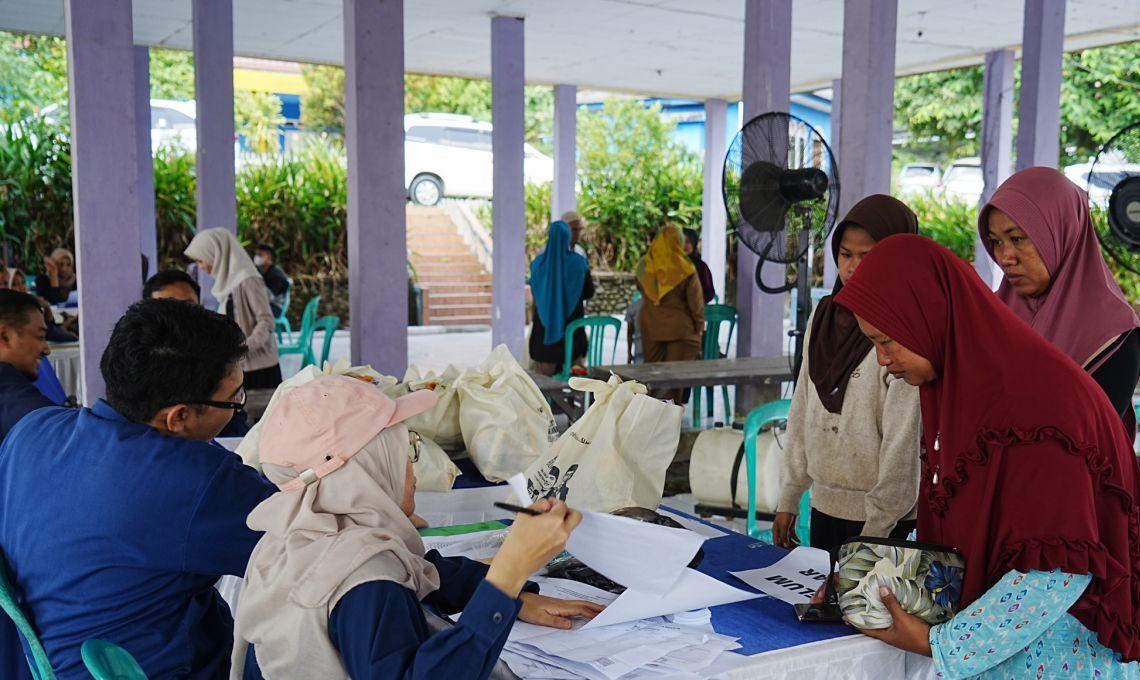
(1039, 231)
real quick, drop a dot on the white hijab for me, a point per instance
(320, 542)
(230, 263)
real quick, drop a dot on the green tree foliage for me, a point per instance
(35, 189)
(635, 178)
(35, 74)
(171, 74)
(1100, 94)
(322, 107)
(257, 115)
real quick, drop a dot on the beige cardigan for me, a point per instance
(252, 315)
(862, 464)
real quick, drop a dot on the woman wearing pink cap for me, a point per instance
(335, 585)
(1039, 231)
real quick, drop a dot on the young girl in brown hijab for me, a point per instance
(853, 430)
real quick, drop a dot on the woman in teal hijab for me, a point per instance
(560, 283)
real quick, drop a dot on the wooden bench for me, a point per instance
(560, 395)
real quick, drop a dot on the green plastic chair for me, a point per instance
(37, 660)
(715, 316)
(108, 661)
(304, 343)
(281, 323)
(596, 332)
(328, 324)
(761, 416)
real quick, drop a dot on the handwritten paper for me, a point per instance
(793, 579)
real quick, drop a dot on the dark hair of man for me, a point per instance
(166, 352)
(16, 308)
(265, 248)
(169, 277)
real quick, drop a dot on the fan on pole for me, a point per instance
(1113, 183)
(781, 195)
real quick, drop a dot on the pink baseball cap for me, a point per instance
(316, 427)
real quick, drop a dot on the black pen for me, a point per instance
(517, 508)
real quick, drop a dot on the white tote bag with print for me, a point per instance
(615, 455)
(505, 420)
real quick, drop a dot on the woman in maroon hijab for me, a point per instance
(1025, 470)
(1039, 231)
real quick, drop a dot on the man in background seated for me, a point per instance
(172, 283)
(23, 342)
(117, 520)
(573, 219)
(265, 257)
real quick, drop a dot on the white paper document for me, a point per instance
(794, 579)
(693, 590)
(637, 554)
(479, 545)
(462, 506)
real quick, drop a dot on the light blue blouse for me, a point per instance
(1021, 628)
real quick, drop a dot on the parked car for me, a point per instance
(1100, 184)
(171, 123)
(962, 181)
(450, 155)
(917, 178)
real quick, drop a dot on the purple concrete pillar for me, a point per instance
(766, 87)
(508, 307)
(105, 182)
(713, 232)
(868, 96)
(213, 31)
(830, 273)
(563, 195)
(377, 231)
(147, 233)
(1039, 107)
(997, 137)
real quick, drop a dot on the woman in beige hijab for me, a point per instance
(335, 585)
(243, 297)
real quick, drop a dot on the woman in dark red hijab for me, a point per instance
(1025, 470)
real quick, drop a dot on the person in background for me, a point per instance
(853, 429)
(242, 294)
(336, 585)
(1025, 470)
(634, 350)
(1039, 231)
(67, 332)
(56, 284)
(560, 283)
(265, 258)
(574, 221)
(672, 317)
(161, 510)
(704, 275)
(172, 283)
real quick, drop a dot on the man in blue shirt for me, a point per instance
(117, 520)
(23, 342)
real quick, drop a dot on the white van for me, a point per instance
(450, 155)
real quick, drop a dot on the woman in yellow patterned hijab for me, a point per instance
(665, 266)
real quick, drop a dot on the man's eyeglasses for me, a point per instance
(232, 405)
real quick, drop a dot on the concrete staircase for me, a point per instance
(456, 287)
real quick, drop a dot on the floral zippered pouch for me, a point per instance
(926, 580)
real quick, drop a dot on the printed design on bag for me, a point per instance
(579, 438)
(546, 483)
(926, 583)
(856, 373)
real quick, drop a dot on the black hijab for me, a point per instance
(837, 345)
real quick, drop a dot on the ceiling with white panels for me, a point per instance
(687, 48)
